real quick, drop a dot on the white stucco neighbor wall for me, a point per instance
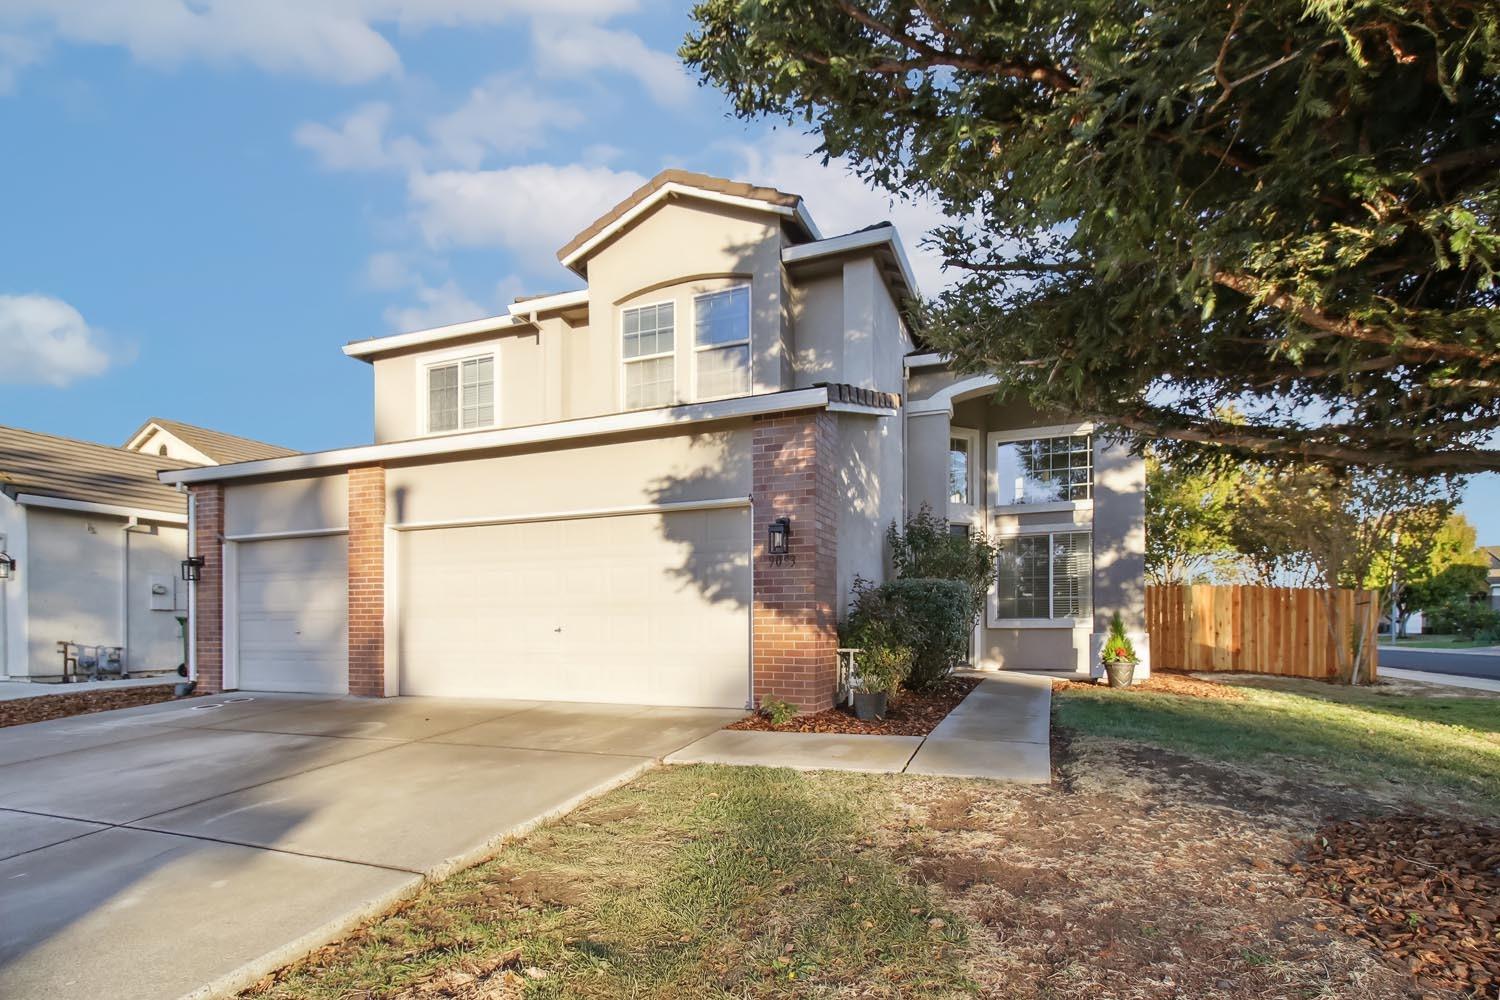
(13, 642)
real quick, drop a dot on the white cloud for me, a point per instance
(16, 53)
(387, 271)
(502, 113)
(573, 49)
(45, 341)
(839, 202)
(358, 142)
(532, 209)
(326, 39)
(436, 306)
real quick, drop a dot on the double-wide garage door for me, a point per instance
(644, 608)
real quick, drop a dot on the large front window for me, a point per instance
(1045, 470)
(721, 342)
(1045, 576)
(649, 349)
(461, 394)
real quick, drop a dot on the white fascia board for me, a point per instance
(102, 509)
(867, 239)
(927, 360)
(673, 188)
(510, 437)
(417, 338)
(869, 411)
(546, 303)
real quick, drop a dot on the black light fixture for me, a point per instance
(7, 565)
(191, 566)
(778, 542)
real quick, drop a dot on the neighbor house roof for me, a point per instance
(688, 184)
(80, 472)
(218, 446)
(1493, 551)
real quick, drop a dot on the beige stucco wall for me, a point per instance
(75, 568)
(709, 465)
(176, 448)
(871, 477)
(817, 308)
(401, 389)
(310, 503)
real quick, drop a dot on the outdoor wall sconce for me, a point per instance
(7, 566)
(779, 539)
(191, 567)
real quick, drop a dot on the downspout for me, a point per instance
(125, 530)
(192, 601)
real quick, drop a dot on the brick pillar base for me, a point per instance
(367, 581)
(208, 592)
(794, 632)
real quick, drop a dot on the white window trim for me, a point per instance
(968, 513)
(992, 476)
(697, 349)
(624, 361)
(992, 614)
(424, 409)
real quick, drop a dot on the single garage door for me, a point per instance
(641, 609)
(293, 628)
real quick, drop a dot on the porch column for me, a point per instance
(367, 581)
(927, 460)
(794, 631)
(208, 592)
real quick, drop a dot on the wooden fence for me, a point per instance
(1264, 630)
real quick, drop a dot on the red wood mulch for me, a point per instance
(19, 711)
(908, 714)
(1425, 891)
(1167, 682)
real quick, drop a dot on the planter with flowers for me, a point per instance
(1118, 655)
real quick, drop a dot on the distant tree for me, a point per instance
(1341, 525)
(1291, 204)
(1189, 516)
(1454, 570)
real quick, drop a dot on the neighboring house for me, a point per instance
(575, 500)
(97, 542)
(1492, 560)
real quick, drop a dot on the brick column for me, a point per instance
(794, 632)
(208, 592)
(367, 580)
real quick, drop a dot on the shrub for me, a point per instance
(930, 618)
(1462, 617)
(884, 660)
(1117, 645)
(778, 711)
(924, 549)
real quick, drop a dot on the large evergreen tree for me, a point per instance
(1289, 205)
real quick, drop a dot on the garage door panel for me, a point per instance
(292, 597)
(646, 609)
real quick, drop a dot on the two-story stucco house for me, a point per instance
(572, 501)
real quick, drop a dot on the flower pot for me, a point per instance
(1121, 673)
(869, 706)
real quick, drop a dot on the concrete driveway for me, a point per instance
(187, 848)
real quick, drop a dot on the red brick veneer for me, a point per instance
(367, 580)
(208, 609)
(794, 633)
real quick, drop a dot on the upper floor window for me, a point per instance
(721, 342)
(461, 394)
(648, 350)
(1055, 469)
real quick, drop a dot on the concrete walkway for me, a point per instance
(16, 690)
(1446, 680)
(999, 731)
(187, 848)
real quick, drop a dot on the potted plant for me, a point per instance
(1118, 655)
(882, 666)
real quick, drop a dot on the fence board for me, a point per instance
(1265, 630)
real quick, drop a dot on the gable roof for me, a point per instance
(688, 184)
(1493, 551)
(219, 447)
(45, 465)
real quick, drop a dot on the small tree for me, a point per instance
(925, 549)
(1342, 522)
(1189, 515)
(1454, 571)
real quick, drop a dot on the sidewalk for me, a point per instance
(1447, 680)
(1472, 651)
(1000, 731)
(14, 690)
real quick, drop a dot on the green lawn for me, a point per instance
(703, 882)
(1441, 751)
(1440, 642)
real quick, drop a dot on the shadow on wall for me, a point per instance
(1119, 536)
(718, 567)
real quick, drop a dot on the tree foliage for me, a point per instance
(1454, 571)
(1189, 516)
(1291, 204)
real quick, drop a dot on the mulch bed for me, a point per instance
(1166, 682)
(907, 714)
(1425, 891)
(19, 711)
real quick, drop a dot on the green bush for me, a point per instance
(925, 549)
(929, 618)
(884, 658)
(778, 711)
(1117, 647)
(1472, 620)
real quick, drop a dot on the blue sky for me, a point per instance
(200, 202)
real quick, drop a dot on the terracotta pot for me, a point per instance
(869, 706)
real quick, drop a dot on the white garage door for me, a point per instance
(641, 609)
(293, 628)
